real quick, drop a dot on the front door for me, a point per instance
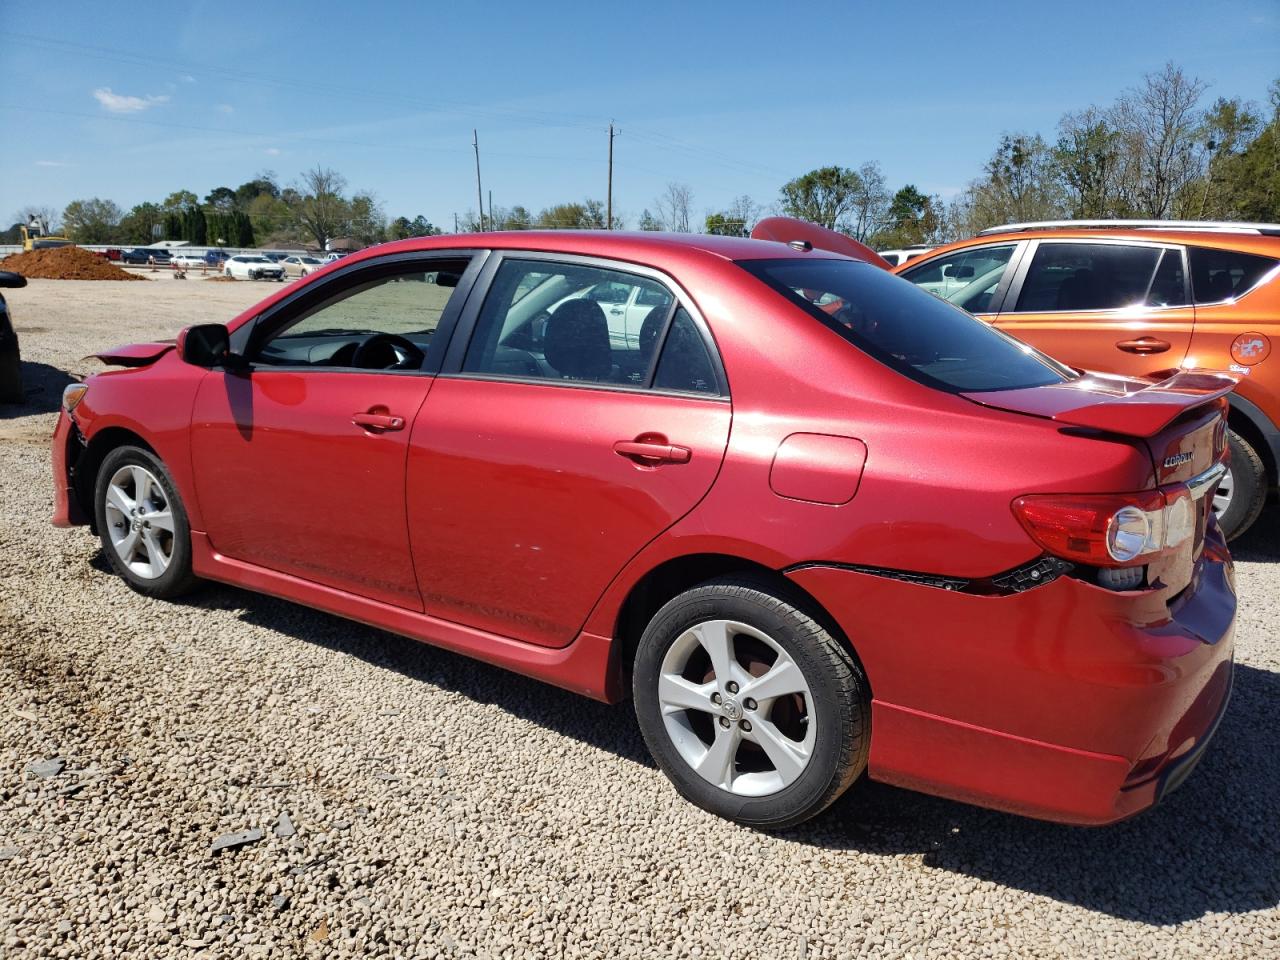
(300, 459)
(551, 454)
(1111, 306)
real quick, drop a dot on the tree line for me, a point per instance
(1156, 152)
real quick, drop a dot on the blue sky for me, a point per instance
(132, 102)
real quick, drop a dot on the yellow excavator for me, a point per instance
(35, 237)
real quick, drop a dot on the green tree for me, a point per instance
(1230, 129)
(912, 217)
(367, 222)
(649, 222)
(180, 201)
(221, 200)
(91, 221)
(263, 184)
(137, 225)
(823, 196)
(1019, 183)
(1089, 157)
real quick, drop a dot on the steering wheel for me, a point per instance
(387, 351)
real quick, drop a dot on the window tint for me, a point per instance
(404, 306)
(685, 363)
(967, 278)
(1168, 288)
(907, 329)
(1087, 276)
(569, 322)
(1218, 275)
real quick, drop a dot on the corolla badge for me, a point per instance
(1178, 459)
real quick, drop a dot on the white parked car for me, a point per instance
(301, 266)
(250, 266)
(188, 260)
(898, 257)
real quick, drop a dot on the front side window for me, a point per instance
(1218, 275)
(568, 322)
(906, 328)
(968, 278)
(1087, 276)
(381, 322)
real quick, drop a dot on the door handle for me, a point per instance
(1143, 345)
(650, 452)
(377, 421)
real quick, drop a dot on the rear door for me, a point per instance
(1115, 306)
(548, 455)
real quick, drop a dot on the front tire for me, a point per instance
(143, 524)
(1243, 491)
(749, 705)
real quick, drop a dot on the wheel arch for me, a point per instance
(1246, 419)
(85, 470)
(675, 575)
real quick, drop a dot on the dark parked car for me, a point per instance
(10, 359)
(216, 257)
(146, 255)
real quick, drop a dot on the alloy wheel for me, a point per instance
(1222, 495)
(737, 708)
(140, 521)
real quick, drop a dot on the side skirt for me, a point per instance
(584, 666)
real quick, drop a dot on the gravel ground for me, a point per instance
(441, 807)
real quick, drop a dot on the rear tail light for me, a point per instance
(1109, 530)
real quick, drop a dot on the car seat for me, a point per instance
(1078, 292)
(576, 342)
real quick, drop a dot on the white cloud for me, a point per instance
(272, 151)
(225, 108)
(187, 78)
(121, 103)
(52, 163)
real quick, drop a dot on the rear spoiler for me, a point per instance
(135, 354)
(1111, 404)
(805, 235)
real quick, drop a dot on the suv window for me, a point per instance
(1218, 275)
(570, 322)
(1087, 276)
(967, 278)
(907, 329)
(402, 309)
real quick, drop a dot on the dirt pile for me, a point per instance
(64, 263)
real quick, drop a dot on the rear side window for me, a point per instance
(907, 328)
(1088, 276)
(968, 278)
(1218, 275)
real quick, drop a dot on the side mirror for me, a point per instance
(208, 345)
(14, 280)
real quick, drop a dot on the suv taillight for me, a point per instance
(1109, 530)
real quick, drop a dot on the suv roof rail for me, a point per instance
(1210, 226)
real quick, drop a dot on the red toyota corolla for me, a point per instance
(812, 519)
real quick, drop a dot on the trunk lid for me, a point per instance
(1180, 421)
(135, 354)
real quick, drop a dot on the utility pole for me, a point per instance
(455, 223)
(608, 207)
(475, 142)
(492, 222)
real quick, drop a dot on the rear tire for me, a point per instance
(142, 523)
(1241, 499)
(769, 762)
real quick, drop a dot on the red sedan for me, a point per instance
(813, 520)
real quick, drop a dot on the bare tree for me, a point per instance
(48, 216)
(320, 207)
(869, 207)
(675, 207)
(1159, 121)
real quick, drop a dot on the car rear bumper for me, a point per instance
(1064, 702)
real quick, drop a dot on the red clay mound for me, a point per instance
(64, 263)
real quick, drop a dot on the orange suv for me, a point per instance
(1140, 298)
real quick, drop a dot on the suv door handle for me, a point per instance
(377, 421)
(1143, 345)
(650, 452)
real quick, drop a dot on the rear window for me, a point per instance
(1097, 276)
(907, 328)
(1218, 275)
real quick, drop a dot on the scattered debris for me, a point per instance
(279, 902)
(284, 826)
(387, 777)
(65, 263)
(229, 841)
(46, 768)
(321, 932)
